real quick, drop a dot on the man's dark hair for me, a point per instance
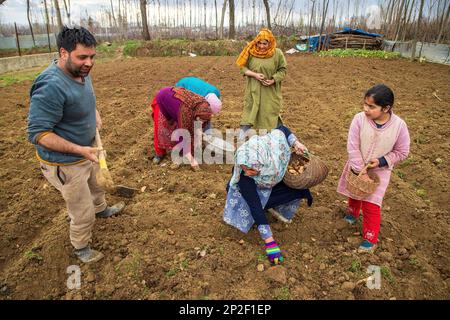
(382, 95)
(68, 38)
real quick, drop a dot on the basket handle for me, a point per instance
(364, 169)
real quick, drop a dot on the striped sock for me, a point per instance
(273, 253)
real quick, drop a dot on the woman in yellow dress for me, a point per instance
(264, 65)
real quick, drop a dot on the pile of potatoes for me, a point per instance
(296, 167)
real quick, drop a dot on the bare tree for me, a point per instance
(310, 19)
(120, 19)
(277, 12)
(405, 17)
(47, 21)
(390, 11)
(242, 14)
(444, 23)
(123, 18)
(399, 18)
(194, 14)
(224, 9)
(190, 13)
(351, 17)
(232, 31)
(204, 15)
(67, 9)
(267, 6)
(416, 31)
(324, 15)
(254, 16)
(145, 33)
(29, 22)
(335, 9)
(408, 21)
(176, 13)
(51, 13)
(290, 12)
(159, 13)
(384, 13)
(166, 18)
(138, 14)
(217, 26)
(58, 14)
(113, 16)
(397, 21)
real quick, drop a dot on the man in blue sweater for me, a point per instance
(62, 124)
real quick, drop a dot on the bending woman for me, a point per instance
(178, 108)
(256, 186)
(198, 86)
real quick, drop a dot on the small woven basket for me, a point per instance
(358, 188)
(315, 171)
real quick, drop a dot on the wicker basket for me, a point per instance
(358, 188)
(314, 173)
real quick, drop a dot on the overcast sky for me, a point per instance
(15, 10)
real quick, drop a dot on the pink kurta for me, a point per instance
(367, 142)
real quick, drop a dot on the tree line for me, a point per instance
(398, 20)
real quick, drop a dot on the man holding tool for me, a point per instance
(62, 125)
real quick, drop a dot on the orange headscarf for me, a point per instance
(252, 47)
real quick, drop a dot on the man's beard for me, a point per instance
(75, 70)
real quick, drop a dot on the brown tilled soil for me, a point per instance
(171, 242)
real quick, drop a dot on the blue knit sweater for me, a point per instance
(66, 107)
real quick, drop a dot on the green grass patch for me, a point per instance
(185, 263)
(360, 53)
(182, 47)
(421, 193)
(400, 174)
(261, 257)
(131, 46)
(421, 139)
(386, 273)
(414, 262)
(356, 266)
(131, 265)
(416, 185)
(408, 162)
(171, 272)
(33, 256)
(8, 79)
(283, 293)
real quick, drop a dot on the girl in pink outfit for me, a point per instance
(379, 138)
